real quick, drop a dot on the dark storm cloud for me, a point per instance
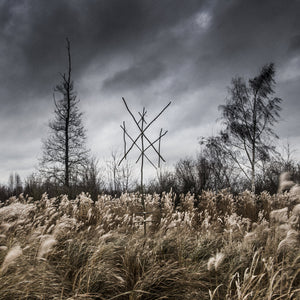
(239, 38)
(294, 45)
(243, 36)
(140, 74)
(34, 33)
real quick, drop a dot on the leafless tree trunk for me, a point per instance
(64, 152)
(120, 178)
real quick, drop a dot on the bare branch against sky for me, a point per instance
(144, 50)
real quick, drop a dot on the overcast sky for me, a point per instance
(150, 52)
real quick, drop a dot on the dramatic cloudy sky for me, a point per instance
(149, 52)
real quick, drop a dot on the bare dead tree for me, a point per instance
(119, 177)
(142, 143)
(92, 180)
(64, 153)
(15, 186)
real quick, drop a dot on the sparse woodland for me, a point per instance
(67, 233)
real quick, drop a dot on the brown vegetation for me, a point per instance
(215, 246)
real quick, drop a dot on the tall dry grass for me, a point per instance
(214, 246)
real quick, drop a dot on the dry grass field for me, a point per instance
(213, 246)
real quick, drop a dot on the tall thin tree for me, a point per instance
(64, 151)
(249, 115)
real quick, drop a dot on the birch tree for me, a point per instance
(249, 115)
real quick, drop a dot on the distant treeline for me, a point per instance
(189, 175)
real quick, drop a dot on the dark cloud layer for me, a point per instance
(149, 51)
(140, 74)
(33, 33)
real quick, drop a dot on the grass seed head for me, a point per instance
(46, 246)
(10, 258)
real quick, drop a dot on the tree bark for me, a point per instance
(68, 83)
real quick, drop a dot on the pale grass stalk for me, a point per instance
(291, 293)
(215, 261)
(296, 211)
(10, 258)
(250, 279)
(279, 215)
(249, 287)
(131, 294)
(290, 243)
(273, 283)
(229, 287)
(212, 294)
